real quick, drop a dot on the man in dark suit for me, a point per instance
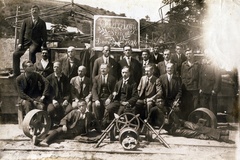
(170, 88)
(178, 58)
(209, 85)
(147, 92)
(33, 35)
(77, 122)
(167, 59)
(32, 88)
(105, 58)
(70, 63)
(44, 66)
(125, 96)
(81, 88)
(155, 56)
(190, 81)
(60, 94)
(132, 63)
(103, 86)
(147, 61)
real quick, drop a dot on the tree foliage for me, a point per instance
(186, 18)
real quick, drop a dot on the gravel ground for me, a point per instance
(15, 145)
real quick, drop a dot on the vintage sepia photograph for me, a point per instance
(114, 80)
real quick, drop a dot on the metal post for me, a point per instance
(16, 20)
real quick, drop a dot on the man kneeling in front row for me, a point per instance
(77, 122)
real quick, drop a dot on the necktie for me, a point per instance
(169, 78)
(34, 21)
(81, 84)
(124, 84)
(104, 79)
(147, 82)
(170, 83)
(128, 61)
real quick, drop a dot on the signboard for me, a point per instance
(116, 32)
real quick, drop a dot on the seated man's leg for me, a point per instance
(56, 113)
(211, 132)
(89, 106)
(99, 110)
(140, 108)
(53, 135)
(189, 133)
(16, 61)
(33, 49)
(110, 110)
(27, 105)
(68, 108)
(156, 116)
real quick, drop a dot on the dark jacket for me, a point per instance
(176, 87)
(114, 67)
(33, 87)
(44, 72)
(190, 76)
(209, 79)
(162, 67)
(159, 58)
(77, 92)
(135, 69)
(70, 72)
(147, 89)
(31, 33)
(97, 83)
(178, 61)
(72, 118)
(60, 91)
(131, 91)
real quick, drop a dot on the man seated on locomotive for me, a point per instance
(124, 97)
(147, 92)
(32, 88)
(77, 122)
(60, 94)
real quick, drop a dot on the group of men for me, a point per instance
(152, 87)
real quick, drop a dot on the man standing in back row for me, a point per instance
(130, 62)
(114, 68)
(33, 35)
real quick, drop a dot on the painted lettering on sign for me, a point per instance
(115, 31)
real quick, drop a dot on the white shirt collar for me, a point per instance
(125, 80)
(166, 62)
(189, 63)
(105, 75)
(44, 63)
(127, 57)
(81, 78)
(145, 62)
(105, 58)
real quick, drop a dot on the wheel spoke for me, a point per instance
(121, 122)
(134, 125)
(126, 118)
(132, 119)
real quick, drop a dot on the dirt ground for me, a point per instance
(15, 145)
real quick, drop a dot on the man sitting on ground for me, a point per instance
(77, 122)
